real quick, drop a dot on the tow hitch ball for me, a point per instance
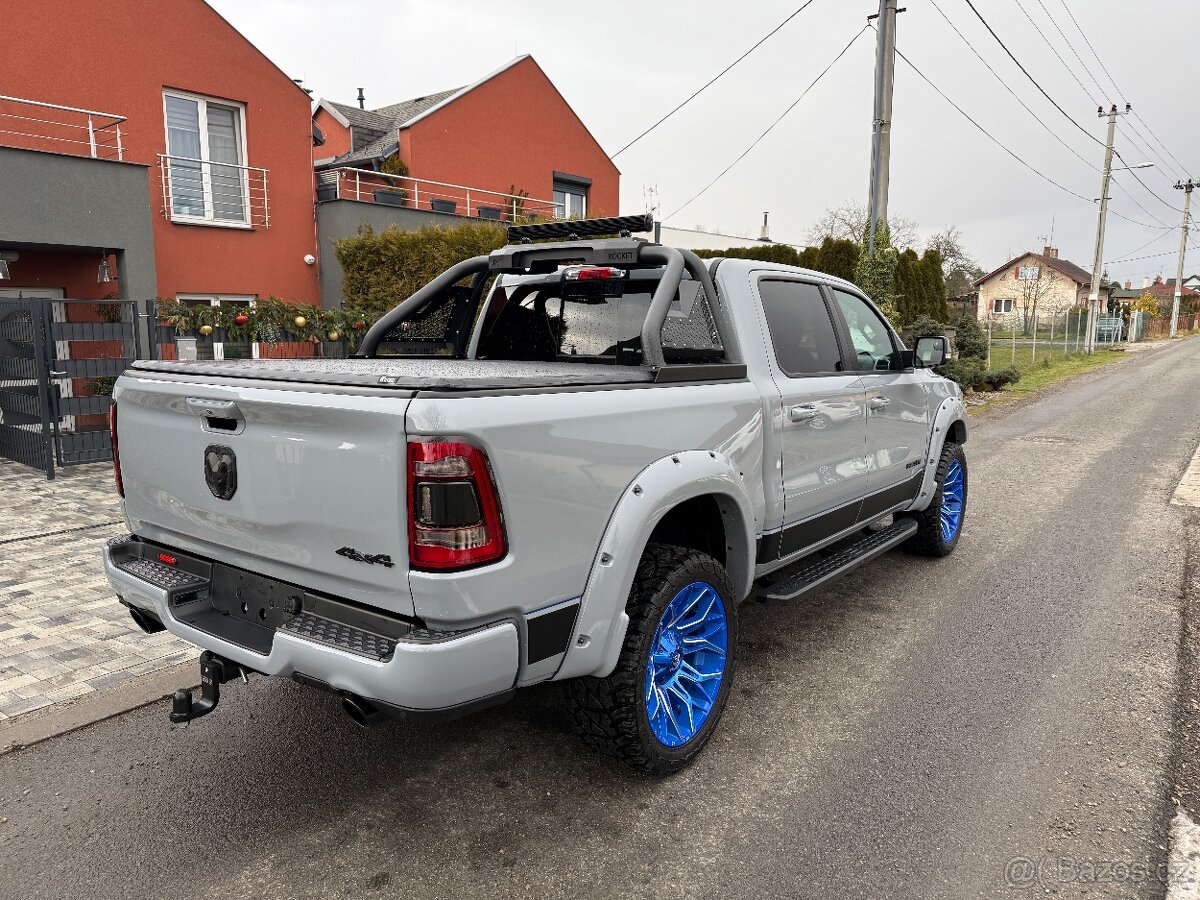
(214, 672)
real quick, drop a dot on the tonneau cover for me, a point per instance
(408, 374)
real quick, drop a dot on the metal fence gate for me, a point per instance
(58, 362)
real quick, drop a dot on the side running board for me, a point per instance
(830, 567)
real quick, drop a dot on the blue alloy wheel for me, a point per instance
(952, 501)
(687, 663)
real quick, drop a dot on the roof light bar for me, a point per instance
(581, 228)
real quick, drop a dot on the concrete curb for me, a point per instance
(60, 718)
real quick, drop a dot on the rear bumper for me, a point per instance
(427, 671)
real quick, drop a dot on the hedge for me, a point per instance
(382, 268)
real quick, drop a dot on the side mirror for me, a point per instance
(932, 351)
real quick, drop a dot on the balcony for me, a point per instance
(51, 127)
(207, 192)
(366, 186)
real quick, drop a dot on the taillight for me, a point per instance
(454, 516)
(112, 430)
(592, 273)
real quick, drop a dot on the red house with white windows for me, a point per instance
(504, 146)
(103, 94)
(190, 175)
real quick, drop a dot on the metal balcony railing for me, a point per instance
(207, 192)
(367, 186)
(34, 125)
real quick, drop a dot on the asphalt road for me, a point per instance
(907, 733)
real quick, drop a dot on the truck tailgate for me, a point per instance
(317, 472)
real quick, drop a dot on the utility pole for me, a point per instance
(1187, 205)
(881, 142)
(1089, 344)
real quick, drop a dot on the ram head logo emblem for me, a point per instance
(220, 471)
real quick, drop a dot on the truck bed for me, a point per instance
(408, 374)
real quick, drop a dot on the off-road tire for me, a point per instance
(610, 713)
(929, 541)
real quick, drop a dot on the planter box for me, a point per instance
(444, 206)
(185, 348)
(390, 198)
(488, 212)
(326, 192)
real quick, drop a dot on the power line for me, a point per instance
(1074, 52)
(1099, 59)
(1029, 76)
(1129, 256)
(1160, 143)
(1054, 134)
(1149, 256)
(1138, 179)
(716, 77)
(1054, 50)
(1112, 81)
(997, 143)
(771, 127)
(1166, 170)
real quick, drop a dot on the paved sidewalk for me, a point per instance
(62, 632)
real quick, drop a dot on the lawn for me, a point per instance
(1060, 368)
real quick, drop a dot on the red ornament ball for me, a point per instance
(241, 319)
(359, 326)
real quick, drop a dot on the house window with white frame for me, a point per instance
(222, 349)
(206, 156)
(571, 195)
(1003, 305)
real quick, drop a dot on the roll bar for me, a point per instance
(456, 273)
(618, 251)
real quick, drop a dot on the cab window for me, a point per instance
(801, 331)
(870, 339)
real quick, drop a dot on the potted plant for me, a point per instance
(390, 195)
(443, 206)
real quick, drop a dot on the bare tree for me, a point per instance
(1038, 286)
(958, 266)
(848, 222)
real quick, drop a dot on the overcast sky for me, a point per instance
(621, 65)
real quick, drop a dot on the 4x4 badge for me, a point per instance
(371, 559)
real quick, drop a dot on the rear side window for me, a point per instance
(801, 329)
(540, 322)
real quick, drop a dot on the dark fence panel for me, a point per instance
(59, 360)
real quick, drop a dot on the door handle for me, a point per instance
(802, 412)
(878, 402)
(216, 409)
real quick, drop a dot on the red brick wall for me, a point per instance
(513, 130)
(337, 136)
(117, 56)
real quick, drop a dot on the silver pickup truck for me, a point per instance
(569, 460)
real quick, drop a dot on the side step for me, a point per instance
(830, 567)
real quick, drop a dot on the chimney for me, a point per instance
(1050, 252)
(765, 234)
(362, 100)
(1145, 282)
(1128, 285)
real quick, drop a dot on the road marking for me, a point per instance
(1182, 882)
(1187, 493)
